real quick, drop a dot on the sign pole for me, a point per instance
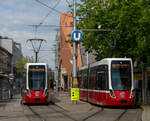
(76, 36)
(75, 82)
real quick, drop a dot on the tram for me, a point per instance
(36, 85)
(108, 82)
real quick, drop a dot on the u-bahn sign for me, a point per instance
(76, 35)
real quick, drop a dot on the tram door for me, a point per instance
(102, 82)
(66, 82)
(100, 76)
(148, 87)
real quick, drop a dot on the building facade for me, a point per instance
(14, 49)
(10, 53)
(66, 51)
(5, 69)
(5, 61)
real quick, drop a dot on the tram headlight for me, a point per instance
(132, 94)
(28, 92)
(45, 92)
(112, 94)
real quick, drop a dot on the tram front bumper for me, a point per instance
(42, 99)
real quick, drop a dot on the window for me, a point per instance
(102, 77)
(83, 79)
(121, 75)
(80, 79)
(92, 80)
(37, 77)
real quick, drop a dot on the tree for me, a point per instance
(21, 63)
(124, 24)
(143, 35)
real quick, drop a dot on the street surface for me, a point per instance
(13, 110)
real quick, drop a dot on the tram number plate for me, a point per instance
(122, 101)
(36, 98)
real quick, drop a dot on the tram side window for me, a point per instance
(23, 85)
(102, 78)
(81, 80)
(92, 81)
(85, 79)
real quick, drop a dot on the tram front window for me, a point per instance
(121, 75)
(36, 77)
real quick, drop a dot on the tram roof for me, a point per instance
(28, 64)
(83, 67)
(36, 63)
(104, 61)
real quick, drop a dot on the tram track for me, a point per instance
(54, 107)
(101, 111)
(127, 112)
(107, 114)
(93, 114)
(62, 111)
(54, 111)
(84, 118)
(121, 115)
(59, 110)
(36, 114)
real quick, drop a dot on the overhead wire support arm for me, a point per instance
(36, 50)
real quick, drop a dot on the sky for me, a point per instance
(17, 15)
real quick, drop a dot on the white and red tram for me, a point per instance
(36, 86)
(108, 82)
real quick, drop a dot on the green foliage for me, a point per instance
(125, 24)
(21, 63)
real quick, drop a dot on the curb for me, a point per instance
(143, 113)
(146, 113)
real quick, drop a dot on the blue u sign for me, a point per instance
(76, 35)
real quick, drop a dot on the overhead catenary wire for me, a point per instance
(47, 6)
(50, 7)
(55, 26)
(68, 3)
(50, 12)
(36, 26)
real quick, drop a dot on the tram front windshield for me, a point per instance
(121, 75)
(36, 77)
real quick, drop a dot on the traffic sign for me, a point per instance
(76, 35)
(74, 93)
